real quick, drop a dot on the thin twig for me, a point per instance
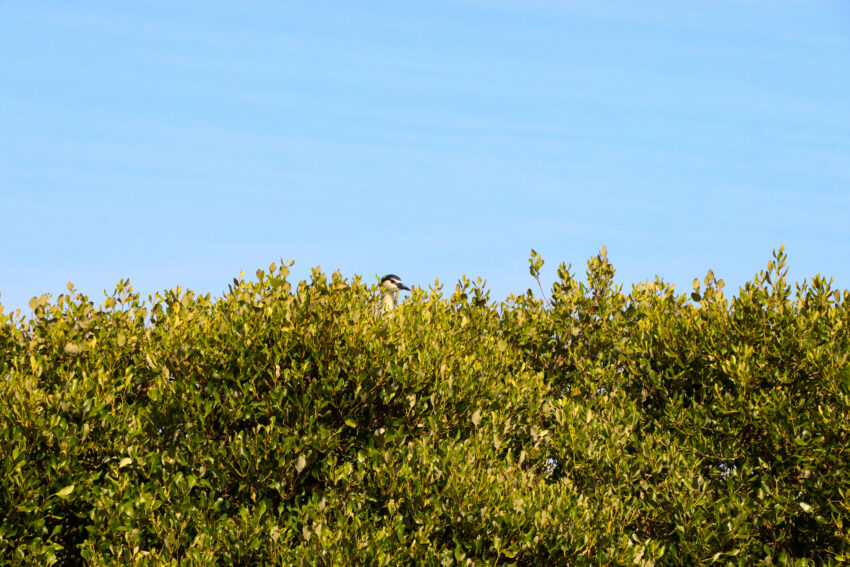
(543, 293)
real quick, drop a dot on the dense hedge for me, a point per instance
(281, 425)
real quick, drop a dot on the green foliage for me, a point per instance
(285, 424)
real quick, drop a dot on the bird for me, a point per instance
(391, 284)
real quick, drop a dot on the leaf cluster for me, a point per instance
(292, 423)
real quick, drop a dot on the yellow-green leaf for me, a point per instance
(65, 491)
(71, 348)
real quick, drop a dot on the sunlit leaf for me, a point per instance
(71, 348)
(65, 492)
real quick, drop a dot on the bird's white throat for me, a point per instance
(388, 302)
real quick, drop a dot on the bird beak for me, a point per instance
(400, 285)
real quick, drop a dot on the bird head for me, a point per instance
(392, 283)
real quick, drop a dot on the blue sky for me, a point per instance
(177, 143)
